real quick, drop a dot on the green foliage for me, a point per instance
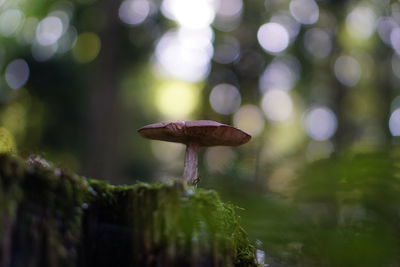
(344, 211)
(7, 142)
(351, 202)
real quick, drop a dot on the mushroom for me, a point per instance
(194, 134)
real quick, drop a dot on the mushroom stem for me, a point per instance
(190, 167)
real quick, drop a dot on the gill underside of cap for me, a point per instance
(201, 132)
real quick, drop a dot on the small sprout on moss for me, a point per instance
(195, 134)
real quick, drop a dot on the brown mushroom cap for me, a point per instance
(202, 132)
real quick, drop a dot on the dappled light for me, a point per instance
(361, 21)
(315, 83)
(304, 11)
(87, 47)
(273, 37)
(7, 141)
(17, 73)
(225, 99)
(10, 21)
(49, 30)
(134, 12)
(282, 73)
(250, 119)
(288, 22)
(171, 109)
(347, 70)
(395, 39)
(185, 54)
(394, 122)
(229, 8)
(320, 123)
(277, 105)
(318, 42)
(193, 15)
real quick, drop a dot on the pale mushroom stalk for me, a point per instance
(190, 166)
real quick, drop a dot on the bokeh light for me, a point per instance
(282, 73)
(318, 42)
(10, 21)
(87, 47)
(49, 30)
(347, 70)
(134, 12)
(394, 122)
(185, 54)
(228, 15)
(225, 99)
(320, 123)
(289, 73)
(395, 39)
(304, 11)
(282, 139)
(189, 14)
(229, 8)
(385, 27)
(360, 22)
(273, 37)
(64, 17)
(277, 105)
(166, 152)
(7, 141)
(17, 73)
(291, 25)
(219, 158)
(250, 119)
(176, 100)
(227, 51)
(14, 119)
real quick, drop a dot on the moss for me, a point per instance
(44, 226)
(54, 218)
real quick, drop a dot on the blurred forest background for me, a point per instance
(315, 82)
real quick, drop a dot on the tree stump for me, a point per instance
(49, 217)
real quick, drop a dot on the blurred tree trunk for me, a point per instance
(378, 88)
(104, 116)
(384, 87)
(345, 129)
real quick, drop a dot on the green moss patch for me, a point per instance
(50, 217)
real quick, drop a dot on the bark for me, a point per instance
(49, 217)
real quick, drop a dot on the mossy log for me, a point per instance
(49, 217)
